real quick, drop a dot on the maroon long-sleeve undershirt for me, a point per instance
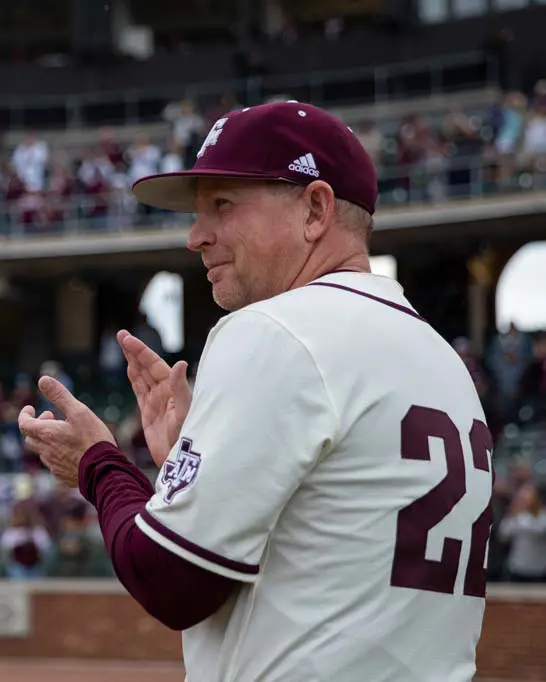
(171, 589)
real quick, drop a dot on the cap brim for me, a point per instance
(176, 191)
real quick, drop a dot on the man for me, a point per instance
(324, 511)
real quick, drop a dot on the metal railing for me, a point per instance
(359, 84)
(428, 183)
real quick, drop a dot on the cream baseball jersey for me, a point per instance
(336, 462)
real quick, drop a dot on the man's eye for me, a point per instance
(219, 203)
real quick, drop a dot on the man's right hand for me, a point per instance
(163, 394)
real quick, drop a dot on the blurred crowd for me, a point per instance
(500, 148)
(418, 159)
(47, 530)
(43, 189)
(510, 378)
(511, 381)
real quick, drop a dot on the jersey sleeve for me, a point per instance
(260, 420)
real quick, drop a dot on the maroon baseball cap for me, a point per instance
(285, 141)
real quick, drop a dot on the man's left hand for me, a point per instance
(61, 444)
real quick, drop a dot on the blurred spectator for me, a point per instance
(59, 504)
(533, 381)
(32, 211)
(371, 139)
(30, 161)
(185, 122)
(435, 167)
(111, 359)
(60, 190)
(122, 204)
(498, 550)
(130, 436)
(24, 392)
(172, 161)
(520, 474)
(55, 370)
(494, 118)
(509, 137)
(143, 158)
(149, 335)
(509, 356)
(525, 528)
(464, 350)
(70, 558)
(110, 147)
(25, 545)
(413, 143)
(463, 146)
(533, 155)
(11, 443)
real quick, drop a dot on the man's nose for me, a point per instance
(199, 236)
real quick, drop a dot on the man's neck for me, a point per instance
(354, 263)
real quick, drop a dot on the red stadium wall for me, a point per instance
(97, 620)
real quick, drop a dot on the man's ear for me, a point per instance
(320, 200)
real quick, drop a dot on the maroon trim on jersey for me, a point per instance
(391, 304)
(168, 534)
(176, 592)
(354, 272)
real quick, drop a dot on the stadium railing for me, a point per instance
(455, 178)
(362, 84)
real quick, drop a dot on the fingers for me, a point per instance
(60, 396)
(139, 386)
(180, 389)
(29, 425)
(47, 415)
(138, 352)
(27, 410)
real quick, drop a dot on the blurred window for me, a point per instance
(469, 8)
(511, 4)
(433, 11)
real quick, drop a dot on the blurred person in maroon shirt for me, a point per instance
(25, 544)
(413, 142)
(110, 147)
(61, 503)
(60, 190)
(32, 210)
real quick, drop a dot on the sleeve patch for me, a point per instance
(180, 473)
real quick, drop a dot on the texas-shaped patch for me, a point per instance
(180, 473)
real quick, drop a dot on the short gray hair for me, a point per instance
(354, 218)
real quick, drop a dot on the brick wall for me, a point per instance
(96, 619)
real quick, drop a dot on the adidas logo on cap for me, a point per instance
(306, 165)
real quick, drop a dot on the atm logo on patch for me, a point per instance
(179, 474)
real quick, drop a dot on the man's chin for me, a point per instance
(226, 299)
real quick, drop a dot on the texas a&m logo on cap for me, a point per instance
(212, 137)
(180, 473)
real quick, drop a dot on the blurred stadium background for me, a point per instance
(449, 98)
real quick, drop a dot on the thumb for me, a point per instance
(180, 389)
(60, 396)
